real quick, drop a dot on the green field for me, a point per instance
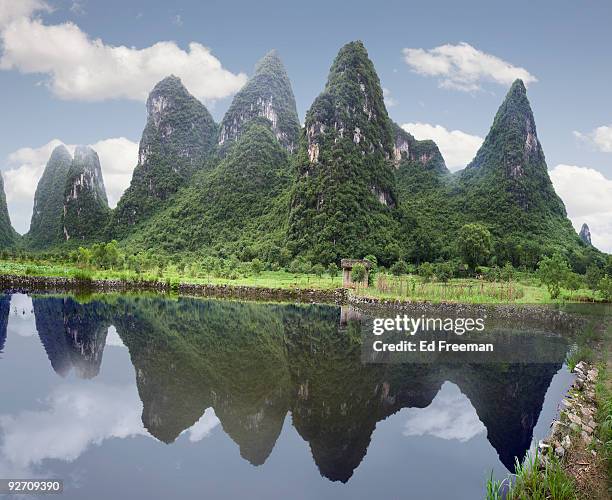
(525, 289)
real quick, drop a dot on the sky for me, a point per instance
(79, 71)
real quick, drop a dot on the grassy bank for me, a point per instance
(523, 289)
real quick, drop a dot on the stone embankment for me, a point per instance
(32, 284)
(576, 424)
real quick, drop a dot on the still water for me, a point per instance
(150, 397)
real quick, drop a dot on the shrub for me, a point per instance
(399, 268)
(358, 273)
(605, 287)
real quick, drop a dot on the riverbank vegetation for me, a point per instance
(450, 281)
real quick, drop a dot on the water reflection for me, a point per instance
(199, 364)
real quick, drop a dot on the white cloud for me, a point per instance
(457, 147)
(390, 101)
(449, 416)
(82, 68)
(96, 412)
(118, 157)
(587, 195)
(600, 138)
(10, 10)
(203, 427)
(463, 67)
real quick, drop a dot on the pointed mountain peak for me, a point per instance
(171, 82)
(85, 206)
(585, 234)
(352, 105)
(179, 137)
(271, 61)
(60, 153)
(267, 94)
(46, 223)
(86, 156)
(512, 144)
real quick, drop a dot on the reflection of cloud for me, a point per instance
(21, 318)
(113, 338)
(449, 416)
(202, 427)
(78, 416)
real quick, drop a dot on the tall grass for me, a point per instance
(411, 287)
(534, 480)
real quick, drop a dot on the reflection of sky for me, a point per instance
(71, 416)
(21, 318)
(449, 416)
(77, 416)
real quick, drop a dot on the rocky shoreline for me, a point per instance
(576, 423)
(29, 284)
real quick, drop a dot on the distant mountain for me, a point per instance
(344, 198)
(241, 203)
(507, 184)
(8, 236)
(267, 94)
(585, 234)
(179, 136)
(46, 224)
(85, 209)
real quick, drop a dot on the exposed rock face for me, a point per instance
(585, 234)
(346, 185)
(85, 210)
(8, 236)
(267, 94)
(424, 153)
(179, 136)
(46, 224)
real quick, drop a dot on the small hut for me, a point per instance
(347, 267)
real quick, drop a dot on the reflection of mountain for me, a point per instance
(5, 308)
(73, 334)
(252, 363)
(199, 354)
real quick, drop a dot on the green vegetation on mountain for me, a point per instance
(8, 236)
(267, 94)
(46, 224)
(179, 136)
(85, 210)
(344, 199)
(507, 186)
(258, 193)
(238, 208)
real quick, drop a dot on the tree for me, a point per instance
(399, 268)
(444, 271)
(605, 287)
(593, 276)
(318, 270)
(358, 273)
(332, 270)
(257, 266)
(474, 244)
(553, 272)
(426, 271)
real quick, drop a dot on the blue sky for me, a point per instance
(59, 78)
